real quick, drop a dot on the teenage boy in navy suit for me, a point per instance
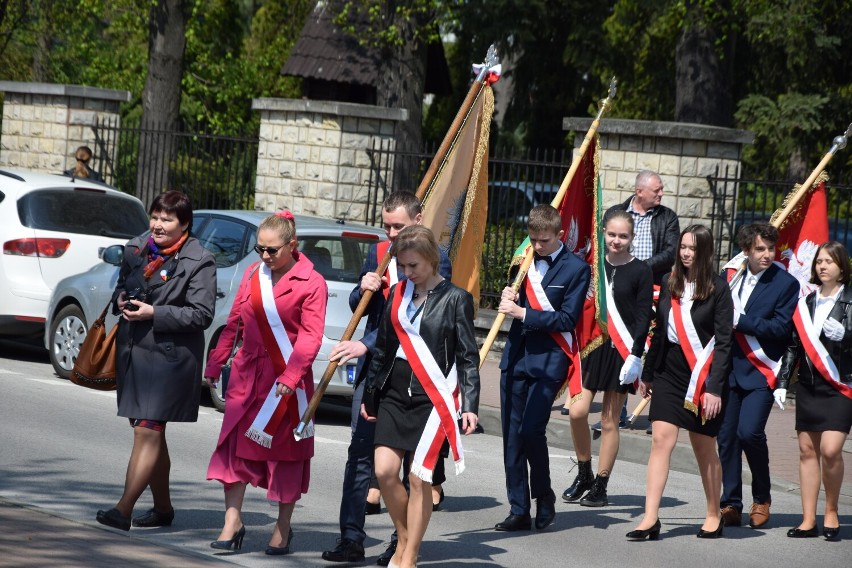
(764, 299)
(535, 364)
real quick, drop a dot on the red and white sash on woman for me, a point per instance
(565, 339)
(749, 344)
(442, 391)
(618, 332)
(815, 350)
(699, 357)
(391, 272)
(279, 348)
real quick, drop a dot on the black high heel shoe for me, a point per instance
(436, 506)
(651, 534)
(831, 533)
(712, 534)
(281, 550)
(236, 541)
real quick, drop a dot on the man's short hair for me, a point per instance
(646, 175)
(544, 217)
(405, 199)
(748, 233)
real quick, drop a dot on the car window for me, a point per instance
(508, 202)
(336, 258)
(225, 239)
(82, 212)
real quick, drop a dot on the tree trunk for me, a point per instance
(702, 92)
(400, 84)
(161, 96)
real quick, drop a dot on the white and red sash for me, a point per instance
(618, 332)
(279, 348)
(699, 357)
(749, 344)
(442, 390)
(815, 350)
(391, 272)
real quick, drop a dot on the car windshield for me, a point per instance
(82, 212)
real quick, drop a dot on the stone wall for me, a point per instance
(313, 155)
(683, 154)
(44, 123)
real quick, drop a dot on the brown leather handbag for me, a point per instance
(95, 364)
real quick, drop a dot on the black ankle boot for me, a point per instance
(582, 483)
(596, 497)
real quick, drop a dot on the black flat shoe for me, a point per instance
(154, 518)
(514, 523)
(372, 508)
(112, 518)
(436, 506)
(235, 542)
(831, 533)
(803, 533)
(712, 534)
(281, 550)
(651, 534)
(387, 555)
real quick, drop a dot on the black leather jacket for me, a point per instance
(840, 351)
(447, 328)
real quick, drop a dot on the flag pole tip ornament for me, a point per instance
(839, 142)
(490, 70)
(606, 103)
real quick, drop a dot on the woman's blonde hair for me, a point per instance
(282, 223)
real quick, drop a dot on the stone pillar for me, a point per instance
(44, 123)
(312, 156)
(683, 154)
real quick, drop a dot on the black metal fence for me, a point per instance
(217, 172)
(742, 199)
(516, 183)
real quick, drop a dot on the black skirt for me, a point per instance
(820, 408)
(402, 416)
(668, 394)
(601, 369)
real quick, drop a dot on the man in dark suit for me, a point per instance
(764, 299)
(535, 364)
(400, 210)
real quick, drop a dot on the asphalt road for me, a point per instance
(63, 452)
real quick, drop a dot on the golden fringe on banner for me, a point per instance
(796, 214)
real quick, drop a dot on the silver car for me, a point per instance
(336, 249)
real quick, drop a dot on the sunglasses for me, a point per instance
(272, 251)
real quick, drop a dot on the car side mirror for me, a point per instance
(113, 254)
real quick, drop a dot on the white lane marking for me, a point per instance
(330, 441)
(52, 382)
(8, 372)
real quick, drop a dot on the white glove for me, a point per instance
(631, 370)
(737, 315)
(780, 397)
(833, 329)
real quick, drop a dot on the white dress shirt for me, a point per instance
(685, 306)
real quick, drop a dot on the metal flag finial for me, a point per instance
(839, 142)
(607, 102)
(491, 58)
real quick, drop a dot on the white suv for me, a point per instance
(53, 226)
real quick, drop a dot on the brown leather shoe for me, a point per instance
(759, 515)
(731, 517)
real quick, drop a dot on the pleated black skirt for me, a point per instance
(601, 369)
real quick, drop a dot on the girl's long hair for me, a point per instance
(702, 272)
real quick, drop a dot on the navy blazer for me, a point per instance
(713, 316)
(530, 350)
(377, 304)
(769, 317)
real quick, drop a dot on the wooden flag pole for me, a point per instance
(837, 144)
(557, 201)
(423, 191)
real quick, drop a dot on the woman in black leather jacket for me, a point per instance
(822, 349)
(425, 357)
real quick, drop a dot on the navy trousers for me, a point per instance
(525, 406)
(744, 430)
(356, 475)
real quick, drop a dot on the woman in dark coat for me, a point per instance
(166, 294)
(425, 360)
(822, 349)
(695, 310)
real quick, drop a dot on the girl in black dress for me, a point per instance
(425, 356)
(613, 366)
(822, 349)
(694, 330)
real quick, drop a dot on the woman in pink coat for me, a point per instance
(280, 313)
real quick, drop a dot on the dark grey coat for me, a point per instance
(159, 361)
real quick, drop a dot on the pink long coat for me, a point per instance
(301, 297)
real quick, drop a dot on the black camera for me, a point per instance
(138, 294)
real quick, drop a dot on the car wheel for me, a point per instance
(217, 397)
(67, 333)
